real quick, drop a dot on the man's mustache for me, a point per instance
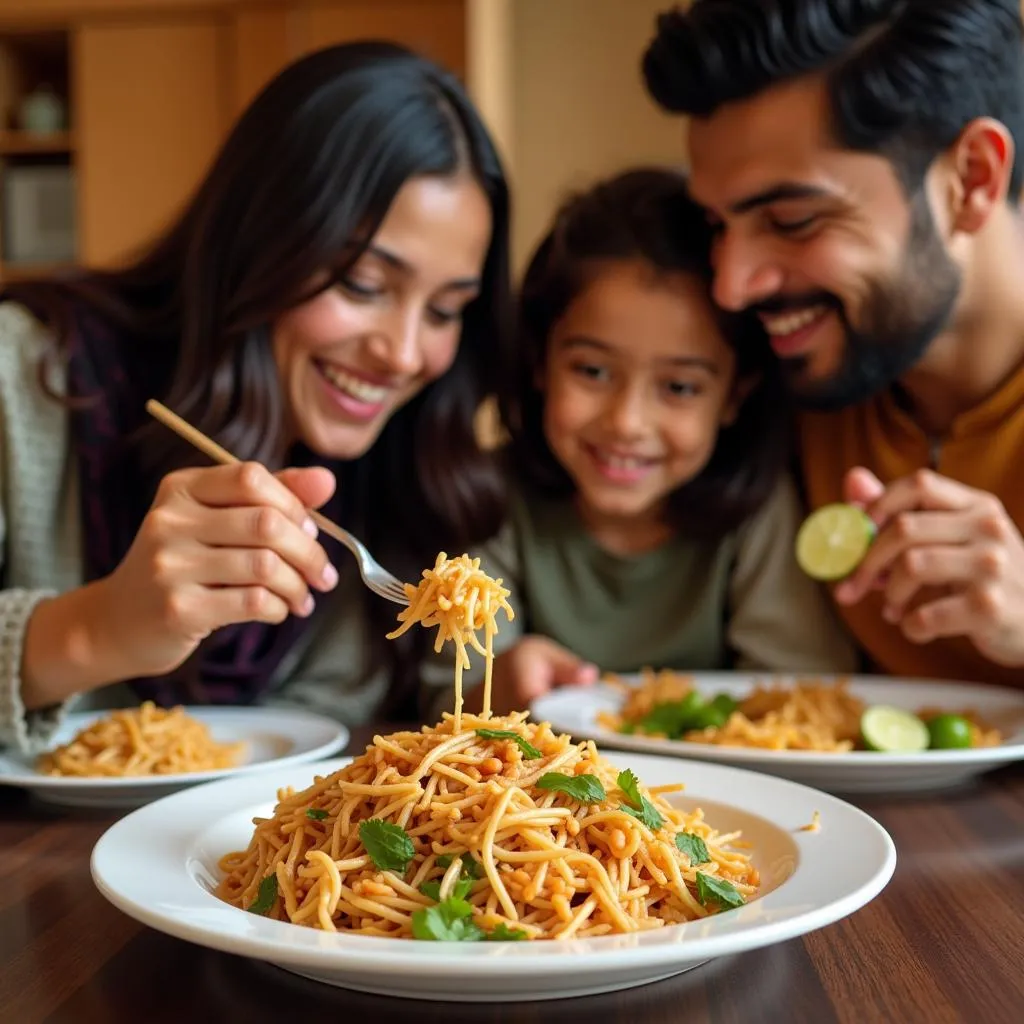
(794, 303)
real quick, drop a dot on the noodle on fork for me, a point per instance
(459, 598)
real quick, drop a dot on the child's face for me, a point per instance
(637, 382)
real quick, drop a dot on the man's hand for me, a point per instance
(936, 533)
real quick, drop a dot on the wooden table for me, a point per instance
(943, 943)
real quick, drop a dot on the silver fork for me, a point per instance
(374, 575)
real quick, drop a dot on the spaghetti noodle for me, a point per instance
(480, 819)
(482, 827)
(458, 597)
(147, 740)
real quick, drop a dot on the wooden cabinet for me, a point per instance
(152, 107)
(154, 85)
(436, 28)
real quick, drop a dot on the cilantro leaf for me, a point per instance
(636, 804)
(266, 897)
(586, 789)
(315, 813)
(389, 846)
(470, 868)
(432, 890)
(530, 752)
(717, 890)
(630, 785)
(646, 812)
(450, 921)
(502, 933)
(673, 718)
(694, 847)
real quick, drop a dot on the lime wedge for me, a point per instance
(833, 540)
(893, 730)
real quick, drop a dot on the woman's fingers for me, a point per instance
(255, 567)
(261, 528)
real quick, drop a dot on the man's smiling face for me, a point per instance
(849, 275)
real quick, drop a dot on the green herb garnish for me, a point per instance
(502, 933)
(389, 846)
(470, 868)
(432, 890)
(450, 921)
(586, 789)
(694, 847)
(530, 752)
(266, 897)
(636, 804)
(717, 890)
(672, 718)
(315, 813)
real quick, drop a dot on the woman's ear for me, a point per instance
(741, 391)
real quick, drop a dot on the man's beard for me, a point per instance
(899, 320)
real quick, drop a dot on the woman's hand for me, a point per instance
(219, 545)
(531, 668)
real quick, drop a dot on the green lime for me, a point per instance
(949, 732)
(833, 540)
(893, 730)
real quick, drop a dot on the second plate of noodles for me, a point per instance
(798, 727)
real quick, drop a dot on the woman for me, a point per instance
(330, 301)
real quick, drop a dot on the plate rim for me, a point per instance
(848, 759)
(340, 738)
(477, 959)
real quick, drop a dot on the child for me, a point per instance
(652, 523)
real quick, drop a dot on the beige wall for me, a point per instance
(563, 90)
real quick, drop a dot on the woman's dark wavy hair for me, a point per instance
(905, 76)
(643, 214)
(299, 187)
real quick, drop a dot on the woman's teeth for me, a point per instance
(372, 394)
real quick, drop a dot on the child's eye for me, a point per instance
(682, 388)
(590, 371)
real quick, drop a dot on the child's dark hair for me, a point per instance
(643, 214)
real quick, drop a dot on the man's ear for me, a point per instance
(741, 391)
(979, 168)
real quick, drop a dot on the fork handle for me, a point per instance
(210, 447)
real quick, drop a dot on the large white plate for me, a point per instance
(576, 711)
(275, 738)
(159, 865)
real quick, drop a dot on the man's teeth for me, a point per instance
(372, 394)
(790, 323)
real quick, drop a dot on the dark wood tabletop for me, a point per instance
(944, 942)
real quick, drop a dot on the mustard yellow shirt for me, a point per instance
(984, 449)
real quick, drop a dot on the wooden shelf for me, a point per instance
(21, 143)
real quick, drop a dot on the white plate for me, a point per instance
(576, 711)
(159, 865)
(274, 737)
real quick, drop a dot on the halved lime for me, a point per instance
(833, 541)
(892, 730)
